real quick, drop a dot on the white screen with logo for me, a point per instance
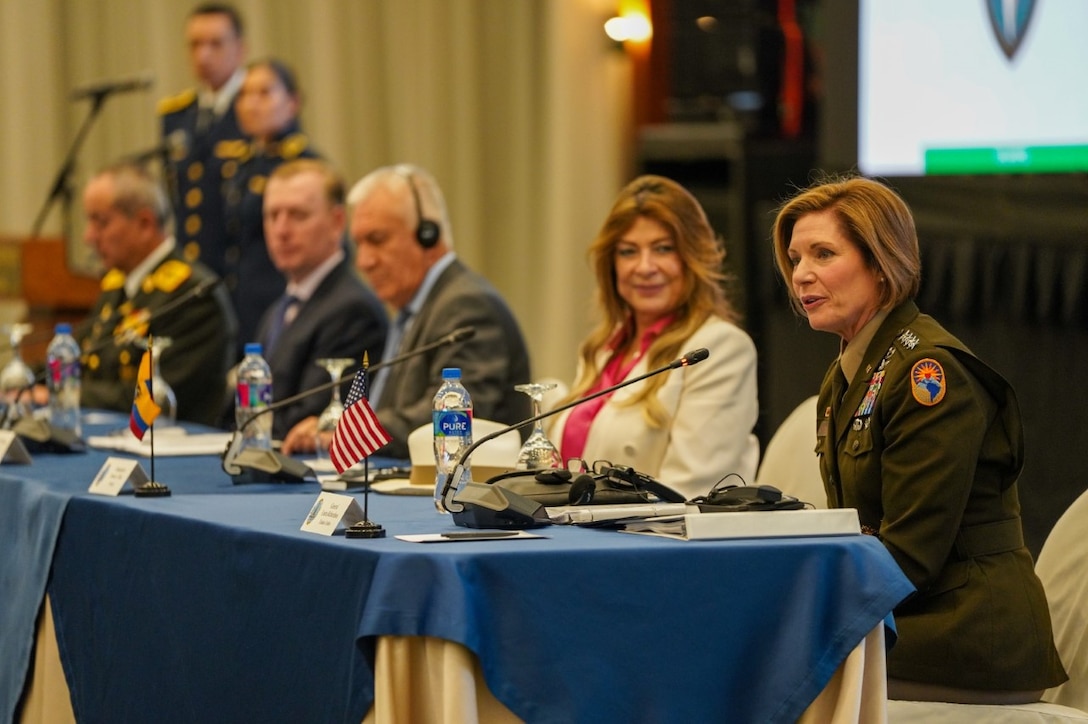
(937, 94)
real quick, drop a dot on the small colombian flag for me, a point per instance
(144, 409)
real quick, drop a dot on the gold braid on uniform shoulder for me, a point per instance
(170, 275)
(237, 148)
(173, 104)
(293, 146)
(112, 280)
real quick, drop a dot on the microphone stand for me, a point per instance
(464, 517)
(61, 187)
(248, 465)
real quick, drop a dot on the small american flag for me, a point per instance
(358, 433)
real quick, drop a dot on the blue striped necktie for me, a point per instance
(392, 347)
(279, 321)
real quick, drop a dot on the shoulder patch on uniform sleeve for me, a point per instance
(927, 381)
(114, 279)
(173, 104)
(171, 274)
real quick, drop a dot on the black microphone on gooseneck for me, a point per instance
(489, 506)
(250, 465)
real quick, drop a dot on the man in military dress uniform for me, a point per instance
(201, 134)
(150, 289)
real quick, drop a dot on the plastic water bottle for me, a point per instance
(452, 413)
(253, 394)
(62, 362)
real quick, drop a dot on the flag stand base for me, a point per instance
(365, 529)
(151, 489)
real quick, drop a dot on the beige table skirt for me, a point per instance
(429, 680)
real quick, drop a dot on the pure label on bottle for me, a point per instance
(453, 422)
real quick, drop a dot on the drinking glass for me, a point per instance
(16, 376)
(538, 452)
(326, 423)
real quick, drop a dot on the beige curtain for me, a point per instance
(519, 107)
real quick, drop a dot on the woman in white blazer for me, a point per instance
(660, 290)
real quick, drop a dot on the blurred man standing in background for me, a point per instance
(201, 135)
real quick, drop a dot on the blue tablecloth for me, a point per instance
(212, 607)
(33, 499)
(217, 608)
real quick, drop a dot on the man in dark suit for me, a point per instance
(200, 131)
(326, 311)
(404, 247)
(126, 212)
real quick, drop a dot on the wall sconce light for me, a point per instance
(632, 26)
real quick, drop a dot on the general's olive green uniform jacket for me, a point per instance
(926, 443)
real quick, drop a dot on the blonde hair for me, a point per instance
(701, 254)
(333, 183)
(873, 217)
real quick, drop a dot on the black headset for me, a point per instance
(427, 230)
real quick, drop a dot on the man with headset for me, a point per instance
(404, 247)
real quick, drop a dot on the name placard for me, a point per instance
(329, 511)
(114, 474)
(12, 449)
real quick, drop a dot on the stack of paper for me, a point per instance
(750, 524)
(169, 442)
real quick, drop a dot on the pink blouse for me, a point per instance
(576, 430)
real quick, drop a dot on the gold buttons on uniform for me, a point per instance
(196, 170)
(125, 357)
(192, 251)
(93, 361)
(192, 225)
(229, 169)
(193, 198)
(256, 184)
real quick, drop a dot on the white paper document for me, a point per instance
(169, 442)
(468, 535)
(750, 524)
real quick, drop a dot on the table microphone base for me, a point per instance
(40, 436)
(492, 506)
(151, 489)
(365, 529)
(269, 466)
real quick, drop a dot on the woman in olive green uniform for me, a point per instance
(925, 441)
